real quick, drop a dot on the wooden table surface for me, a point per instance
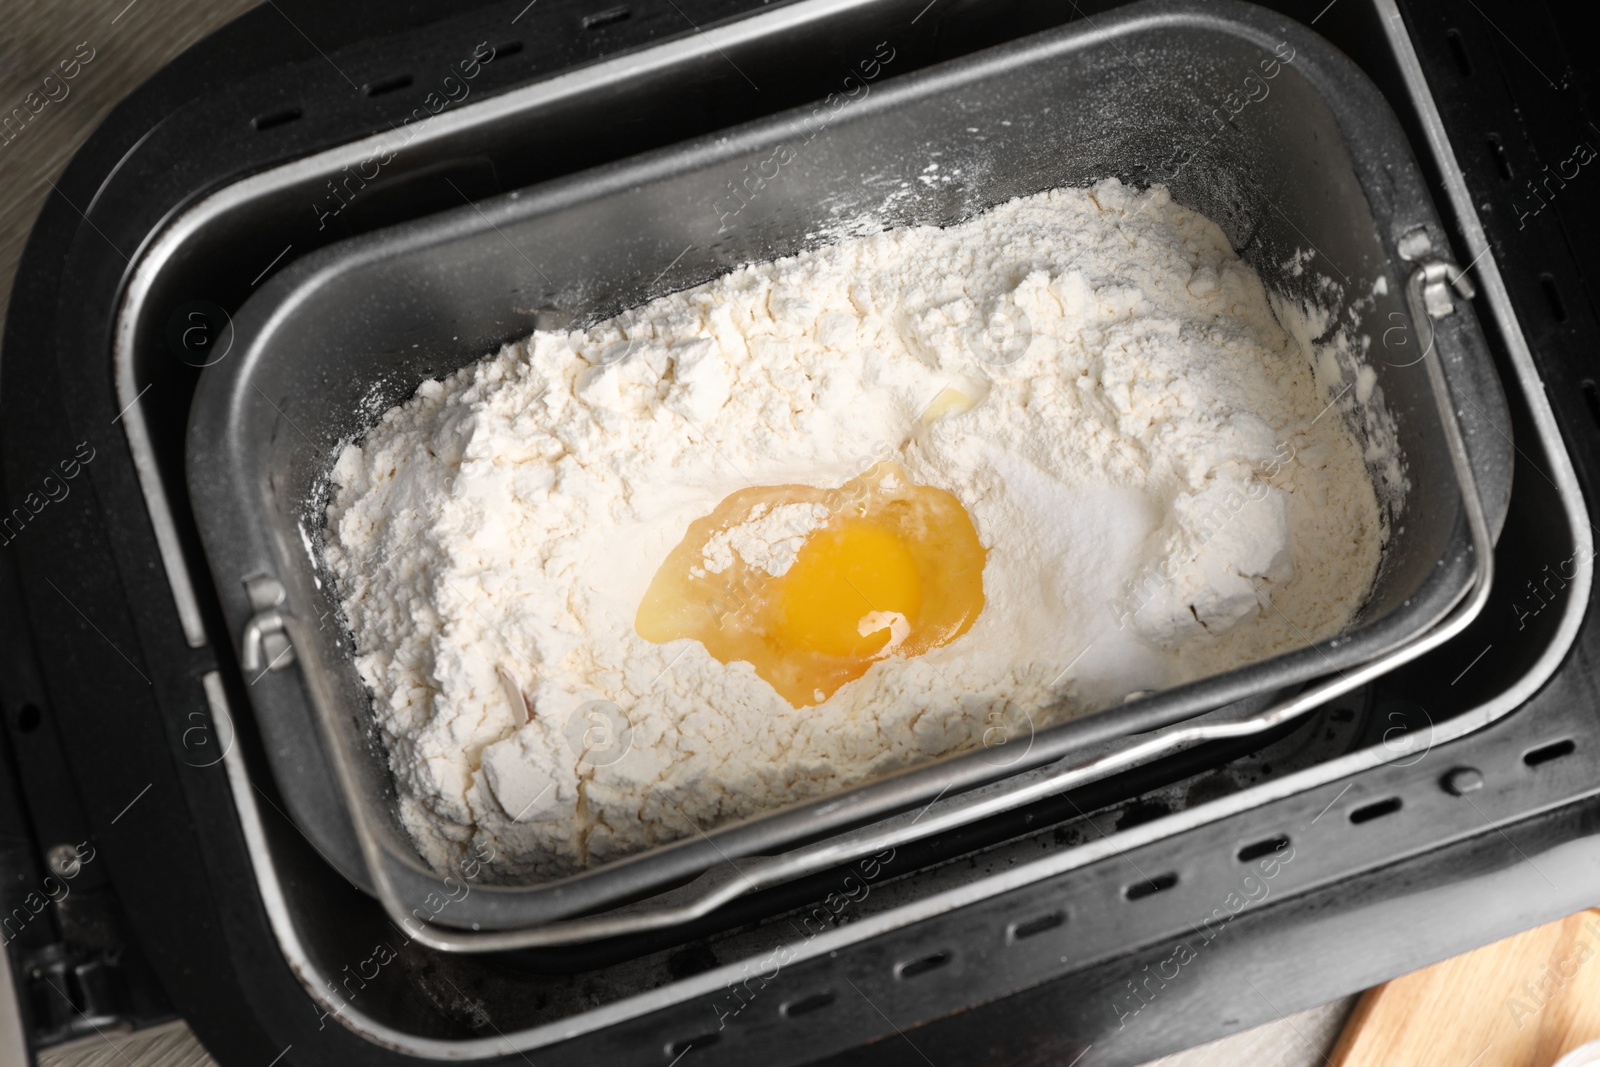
(130, 42)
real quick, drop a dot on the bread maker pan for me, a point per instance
(1249, 118)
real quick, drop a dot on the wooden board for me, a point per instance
(1522, 1002)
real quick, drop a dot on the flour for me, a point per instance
(1152, 463)
(768, 538)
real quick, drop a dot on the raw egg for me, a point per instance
(812, 586)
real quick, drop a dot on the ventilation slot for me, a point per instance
(1160, 883)
(389, 85)
(1552, 296)
(510, 48)
(1497, 149)
(807, 1005)
(1458, 48)
(678, 1048)
(275, 118)
(1546, 753)
(1262, 848)
(606, 17)
(1591, 396)
(1024, 930)
(1375, 811)
(922, 966)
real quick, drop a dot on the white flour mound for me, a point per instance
(1153, 465)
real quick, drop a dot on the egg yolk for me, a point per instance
(878, 568)
(845, 589)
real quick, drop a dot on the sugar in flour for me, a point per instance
(1148, 458)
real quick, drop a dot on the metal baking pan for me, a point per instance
(1311, 158)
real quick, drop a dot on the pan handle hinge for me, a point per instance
(1438, 278)
(265, 643)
